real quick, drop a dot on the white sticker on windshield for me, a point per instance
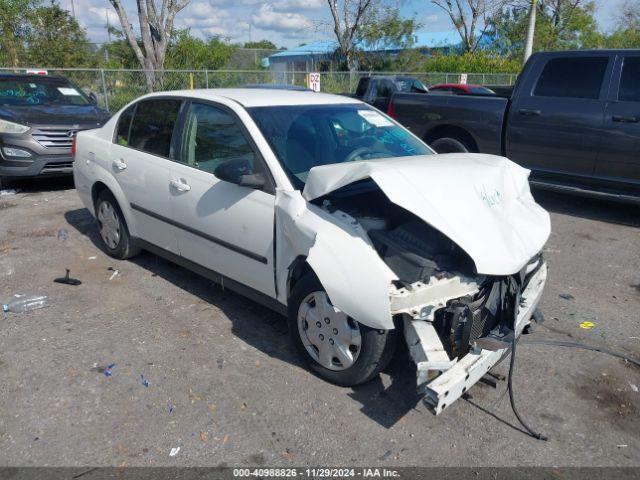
(68, 91)
(375, 118)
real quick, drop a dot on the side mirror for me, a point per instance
(93, 98)
(238, 171)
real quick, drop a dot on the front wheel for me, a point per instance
(335, 346)
(450, 145)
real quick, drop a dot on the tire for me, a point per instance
(450, 145)
(110, 220)
(371, 356)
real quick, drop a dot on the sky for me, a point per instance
(286, 23)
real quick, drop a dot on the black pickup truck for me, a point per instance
(573, 119)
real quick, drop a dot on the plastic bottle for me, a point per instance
(26, 304)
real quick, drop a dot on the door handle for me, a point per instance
(180, 185)
(119, 164)
(530, 112)
(623, 119)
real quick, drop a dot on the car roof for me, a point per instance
(261, 97)
(31, 76)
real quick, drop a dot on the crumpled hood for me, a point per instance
(481, 202)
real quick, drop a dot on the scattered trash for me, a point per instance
(92, 257)
(9, 191)
(171, 408)
(587, 325)
(220, 363)
(114, 274)
(145, 382)
(566, 296)
(174, 451)
(26, 304)
(106, 371)
(68, 280)
(624, 445)
(226, 438)
(633, 386)
(63, 234)
(203, 437)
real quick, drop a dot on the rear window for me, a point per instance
(630, 81)
(152, 126)
(572, 77)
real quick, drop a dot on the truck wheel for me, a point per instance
(334, 346)
(449, 145)
(113, 229)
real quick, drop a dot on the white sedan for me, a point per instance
(328, 211)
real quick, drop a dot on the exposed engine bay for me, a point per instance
(447, 310)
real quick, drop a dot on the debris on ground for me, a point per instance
(220, 362)
(93, 257)
(106, 371)
(63, 234)
(171, 408)
(587, 325)
(114, 274)
(67, 280)
(144, 381)
(566, 296)
(634, 387)
(174, 451)
(7, 192)
(23, 304)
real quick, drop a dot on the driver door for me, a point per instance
(224, 227)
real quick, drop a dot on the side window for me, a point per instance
(630, 81)
(124, 123)
(384, 89)
(152, 126)
(579, 77)
(212, 137)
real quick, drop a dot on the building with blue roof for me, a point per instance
(322, 55)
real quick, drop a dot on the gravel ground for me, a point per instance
(225, 385)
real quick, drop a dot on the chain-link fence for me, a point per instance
(116, 88)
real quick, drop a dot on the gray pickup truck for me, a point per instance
(573, 119)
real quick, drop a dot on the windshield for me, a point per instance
(306, 136)
(39, 91)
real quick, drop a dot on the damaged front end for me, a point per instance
(455, 339)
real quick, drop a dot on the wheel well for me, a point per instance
(96, 190)
(452, 132)
(298, 269)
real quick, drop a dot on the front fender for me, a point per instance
(356, 279)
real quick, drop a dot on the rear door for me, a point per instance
(224, 227)
(619, 158)
(555, 122)
(141, 163)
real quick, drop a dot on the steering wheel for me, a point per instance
(356, 153)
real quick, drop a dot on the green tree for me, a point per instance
(14, 28)
(560, 25)
(56, 40)
(627, 28)
(263, 44)
(188, 52)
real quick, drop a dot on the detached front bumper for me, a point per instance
(458, 376)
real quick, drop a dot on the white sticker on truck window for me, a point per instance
(68, 91)
(375, 118)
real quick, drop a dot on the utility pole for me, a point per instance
(73, 10)
(106, 47)
(528, 46)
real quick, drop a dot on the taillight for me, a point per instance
(73, 147)
(391, 111)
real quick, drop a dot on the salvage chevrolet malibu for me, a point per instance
(331, 213)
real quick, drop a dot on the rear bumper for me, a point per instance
(455, 381)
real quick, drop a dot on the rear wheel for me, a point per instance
(450, 145)
(335, 346)
(113, 228)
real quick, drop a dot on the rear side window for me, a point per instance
(152, 126)
(124, 124)
(572, 77)
(363, 84)
(630, 81)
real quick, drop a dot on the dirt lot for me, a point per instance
(226, 386)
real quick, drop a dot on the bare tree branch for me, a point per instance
(156, 28)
